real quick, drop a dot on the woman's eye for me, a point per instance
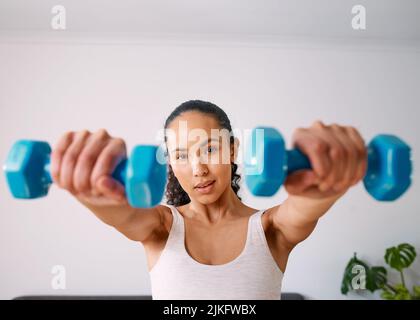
(180, 156)
(211, 149)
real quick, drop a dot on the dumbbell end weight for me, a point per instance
(267, 162)
(146, 176)
(389, 169)
(264, 169)
(27, 169)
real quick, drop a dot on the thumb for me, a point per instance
(299, 181)
(110, 187)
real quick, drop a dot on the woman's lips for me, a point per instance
(205, 189)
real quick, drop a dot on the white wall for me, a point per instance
(129, 87)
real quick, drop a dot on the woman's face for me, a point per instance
(199, 152)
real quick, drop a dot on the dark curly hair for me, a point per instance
(175, 194)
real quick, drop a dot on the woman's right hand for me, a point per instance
(82, 163)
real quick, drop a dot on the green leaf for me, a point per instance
(400, 293)
(400, 257)
(387, 294)
(359, 276)
(416, 292)
(377, 278)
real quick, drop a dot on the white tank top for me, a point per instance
(253, 275)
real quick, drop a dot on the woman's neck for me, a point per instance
(228, 205)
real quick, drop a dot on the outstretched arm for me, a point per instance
(82, 163)
(338, 157)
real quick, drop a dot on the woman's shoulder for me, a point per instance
(168, 211)
(166, 215)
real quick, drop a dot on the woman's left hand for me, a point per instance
(338, 158)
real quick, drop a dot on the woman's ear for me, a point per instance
(234, 147)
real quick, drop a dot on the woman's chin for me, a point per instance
(206, 198)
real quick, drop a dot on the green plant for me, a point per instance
(358, 275)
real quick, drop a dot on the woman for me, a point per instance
(205, 243)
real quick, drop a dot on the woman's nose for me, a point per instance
(198, 167)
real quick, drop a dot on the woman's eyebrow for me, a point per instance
(202, 144)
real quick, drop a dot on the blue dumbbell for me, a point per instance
(27, 171)
(267, 164)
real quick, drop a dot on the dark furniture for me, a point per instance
(284, 296)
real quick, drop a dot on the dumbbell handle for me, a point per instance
(296, 160)
(118, 174)
(20, 149)
(388, 174)
(389, 166)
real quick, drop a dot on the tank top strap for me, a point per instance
(257, 233)
(175, 214)
(176, 234)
